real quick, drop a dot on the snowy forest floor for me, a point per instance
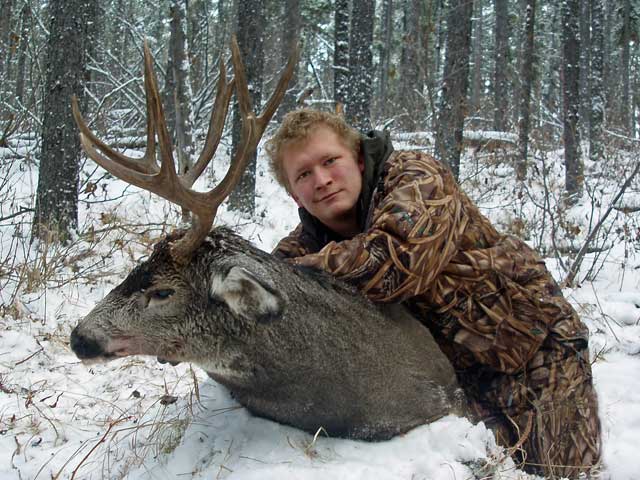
(135, 418)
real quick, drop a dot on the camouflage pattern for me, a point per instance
(519, 348)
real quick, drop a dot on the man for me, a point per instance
(397, 226)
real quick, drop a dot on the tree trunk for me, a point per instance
(585, 61)
(551, 68)
(6, 7)
(385, 57)
(526, 74)
(250, 33)
(608, 65)
(198, 42)
(224, 20)
(501, 66)
(25, 22)
(57, 194)
(182, 94)
(454, 84)
(158, 27)
(571, 99)
(290, 38)
(430, 61)
(341, 54)
(410, 88)
(597, 104)
(625, 71)
(360, 65)
(478, 38)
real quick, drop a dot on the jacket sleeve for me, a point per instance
(291, 246)
(415, 230)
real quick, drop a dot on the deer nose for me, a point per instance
(85, 347)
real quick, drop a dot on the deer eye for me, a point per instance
(161, 294)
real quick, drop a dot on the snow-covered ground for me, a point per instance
(135, 418)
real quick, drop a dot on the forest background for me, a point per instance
(534, 69)
(534, 105)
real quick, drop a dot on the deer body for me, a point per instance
(292, 345)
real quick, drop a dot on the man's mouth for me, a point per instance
(328, 197)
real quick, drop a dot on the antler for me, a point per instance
(164, 181)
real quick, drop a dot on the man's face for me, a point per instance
(325, 178)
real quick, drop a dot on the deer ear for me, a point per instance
(246, 295)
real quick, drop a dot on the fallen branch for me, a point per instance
(575, 266)
(98, 443)
(10, 127)
(16, 214)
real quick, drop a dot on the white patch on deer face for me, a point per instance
(245, 295)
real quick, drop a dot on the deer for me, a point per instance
(291, 344)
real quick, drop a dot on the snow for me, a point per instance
(135, 418)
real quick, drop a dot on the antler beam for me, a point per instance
(163, 180)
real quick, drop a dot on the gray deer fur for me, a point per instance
(291, 344)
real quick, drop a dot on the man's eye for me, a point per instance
(162, 294)
(303, 175)
(330, 161)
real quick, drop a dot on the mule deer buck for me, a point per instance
(291, 344)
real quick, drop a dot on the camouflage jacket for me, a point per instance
(487, 298)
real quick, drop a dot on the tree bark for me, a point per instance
(585, 61)
(550, 72)
(501, 65)
(221, 27)
(25, 22)
(410, 100)
(57, 194)
(454, 84)
(341, 54)
(6, 7)
(430, 61)
(571, 96)
(597, 104)
(526, 74)
(250, 33)
(198, 42)
(478, 38)
(385, 56)
(608, 54)
(290, 38)
(625, 72)
(360, 65)
(182, 95)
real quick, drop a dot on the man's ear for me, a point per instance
(246, 295)
(361, 162)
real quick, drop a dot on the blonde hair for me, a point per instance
(296, 127)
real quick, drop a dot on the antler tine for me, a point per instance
(156, 114)
(145, 164)
(281, 88)
(100, 149)
(216, 126)
(164, 181)
(145, 174)
(274, 101)
(206, 206)
(111, 160)
(252, 127)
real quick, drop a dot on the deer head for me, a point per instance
(168, 285)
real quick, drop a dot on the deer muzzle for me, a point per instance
(87, 348)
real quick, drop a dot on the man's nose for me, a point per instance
(323, 178)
